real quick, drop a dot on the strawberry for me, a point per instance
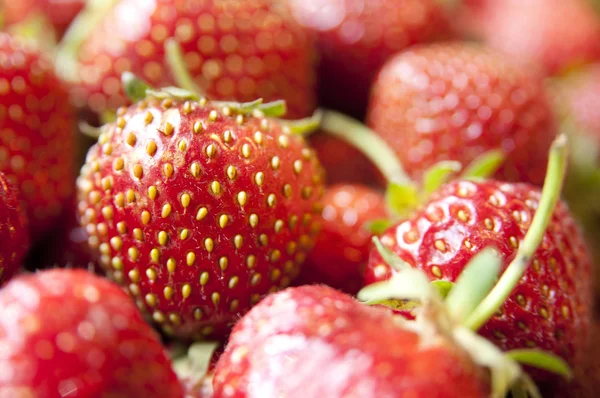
(60, 13)
(14, 236)
(356, 37)
(553, 34)
(236, 50)
(342, 248)
(455, 101)
(550, 306)
(291, 336)
(36, 126)
(199, 207)
(70, 333)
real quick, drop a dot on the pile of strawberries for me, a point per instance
(299, 198)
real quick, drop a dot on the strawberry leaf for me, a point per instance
(541, 360)
(304, 126)
(410, 284)
(473, 284)
(390, 257)
(439, 174)
(443, 287)
(377, 227)
(196, 363)
(172, 92)
(135, 88)
(485, 165)
(402, 199)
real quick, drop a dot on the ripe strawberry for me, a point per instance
(236, 50)
(36, 132)
(14, 236)
(199, 208)
(342, 162)
(279, 346)
(355, 38)
(550, 306)
(554, 34)
(60, 13)
(342, 248)
(68, 332)
(456, 101)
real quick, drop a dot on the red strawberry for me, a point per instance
(456, 101)
(199, 208)
(313, 341)
(342, 162)
(355, 38)
(555, 34)
(70, 333)
(239, 50)
(36, 132)
(59, 12)
(14, 236)
(342, 249)
(550, 306)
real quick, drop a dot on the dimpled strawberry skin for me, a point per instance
(70, 333)
(356, 37)
(239, 50)
(357, 351)
(550, 307)
(455, 101)
(342, 248)
(14, 236)
(36, 132)
(199, 213)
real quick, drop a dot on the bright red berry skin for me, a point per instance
(68, 332)
(236, 50)
(280, 346)
(36, 132)
(199, 213)
(60, 13)
(14, 235)
(554, 34)
(342, 248)
(455, 101)
(550, 306)
(355, 38)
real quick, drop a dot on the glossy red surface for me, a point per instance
(199, 225)
(550, 307)
(240, 50)
(36, 132)
(68, 332)
(342, 248)
(455, 101)
(291, 336)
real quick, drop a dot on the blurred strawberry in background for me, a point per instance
(59, 13)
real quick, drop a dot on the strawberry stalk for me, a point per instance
(557, 163)
(174, 57)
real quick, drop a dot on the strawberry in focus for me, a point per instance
(235, 50)
(553, 34)
(291, 336)
(456, 101)
(199, 208)
(356, 37)
(14, 235)
(550, 306)
(342, 248)
(68, 332)
(36, 132)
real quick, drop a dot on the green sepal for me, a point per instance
(410, 284)
(173, 92)
(306, 126)
(541, 360)
(379, 226)
(196, 363)
(485, 165)
(89, 130)
(443, 287)
(175, 60)
(400, 305)
(439, 174)
(134, 87)
(473, 284)
(402, 198)
(270, 109)
(390, 257)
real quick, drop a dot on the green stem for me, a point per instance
(183, 79)
(305, 126)
(557, 163)
(79, 31)
(366, 141)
